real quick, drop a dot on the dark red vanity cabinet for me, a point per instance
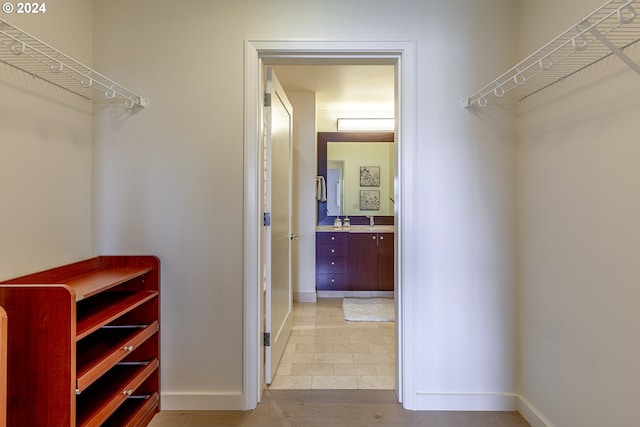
(363, 262)
(371, 262)
(354, 261)
(385, 261)
(331, 261)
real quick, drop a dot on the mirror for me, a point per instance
(358, 169)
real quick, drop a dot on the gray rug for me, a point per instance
(368, 309)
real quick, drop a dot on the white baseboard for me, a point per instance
(531, 414)
(425, 401)
(200, 401)
(305, 297)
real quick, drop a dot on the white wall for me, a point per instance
(46, 152)
(304, 216)
(169, 181)
(463, 297)
(579, 236)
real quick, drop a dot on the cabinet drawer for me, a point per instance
(330, 250)
(111, 391)
(331, 282)
(337, 237)
(331, 265)
(102, 350)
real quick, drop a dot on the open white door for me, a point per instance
(278, 233)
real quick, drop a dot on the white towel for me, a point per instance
(321, 189)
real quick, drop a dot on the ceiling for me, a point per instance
(349, 90)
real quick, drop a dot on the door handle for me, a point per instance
(293, 237)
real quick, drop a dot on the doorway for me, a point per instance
(335, 174)
(257, 54)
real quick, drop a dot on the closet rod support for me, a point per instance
(605, 41)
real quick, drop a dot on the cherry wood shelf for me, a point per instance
(84, 345)
(113, 389)
(109, 308)
(86, 285)
(104, 349)
(135, 411)
(3, 367)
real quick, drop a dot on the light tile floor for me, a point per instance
(325, 351)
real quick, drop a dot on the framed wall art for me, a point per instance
(369, 176)
(369, 200)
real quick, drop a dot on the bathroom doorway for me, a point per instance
(325, 351)
(335, 181)
(400, 54)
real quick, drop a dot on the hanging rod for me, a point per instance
(20, 50)
(607, 31)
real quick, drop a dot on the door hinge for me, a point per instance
(266, 219)
(267, 339)
(267, 100)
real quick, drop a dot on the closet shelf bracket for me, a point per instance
(609, 30)
(22, 51)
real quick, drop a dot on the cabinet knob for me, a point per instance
(333, 250)
(127, 392)
(128, 348)
(333, 238)
(333, 280)
(333, 263)
(381, 237)
(373, 237)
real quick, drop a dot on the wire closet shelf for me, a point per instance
(20, 50)
(607, 31)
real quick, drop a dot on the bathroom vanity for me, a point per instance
(358, 258)
(358, 169)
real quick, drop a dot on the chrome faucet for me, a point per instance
(371, 222)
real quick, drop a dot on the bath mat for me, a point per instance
(368, 309)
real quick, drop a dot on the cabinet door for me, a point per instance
(363, 259)
(385, 261)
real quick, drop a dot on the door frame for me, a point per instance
(402, 55)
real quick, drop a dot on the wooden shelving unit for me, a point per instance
(84, 346)
(3, 367)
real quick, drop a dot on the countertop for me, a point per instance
(356, 229)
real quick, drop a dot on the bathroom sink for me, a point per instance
(358, 229)
(369, 229)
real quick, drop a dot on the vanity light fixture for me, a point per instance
(366, 124)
